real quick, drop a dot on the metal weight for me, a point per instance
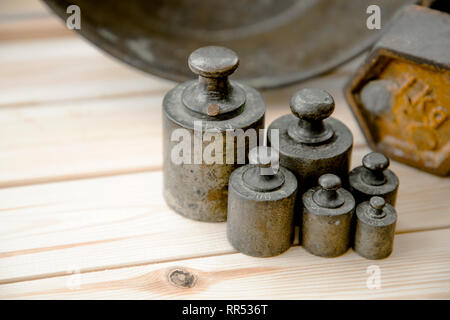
(311, 143)
(399, 95)
(213, 106)
(327, 218)
(261, 206)
(374, 178)
(375, 228)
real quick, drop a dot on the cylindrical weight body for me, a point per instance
(327, 220)
(374, 235)
(260, 223)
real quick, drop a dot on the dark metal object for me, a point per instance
(374, 178)
(327, 218)
(181, 278)
(312, 143)
(279, 41)
(399, 95)
(198, 190)
(375, 228)
(261, 207)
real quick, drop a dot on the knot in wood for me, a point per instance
(181, 278)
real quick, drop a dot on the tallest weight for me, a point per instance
(198, 117)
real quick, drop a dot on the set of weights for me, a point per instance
(296, 179)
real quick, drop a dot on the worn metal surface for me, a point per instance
(327, 218)
(198, 190)
(261, 209)
(375, 228)
(312, 143)
(400, 94)
(280, 41)
(374, 178)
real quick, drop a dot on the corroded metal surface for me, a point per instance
(374, 178)
(198, 189)
(375, 228)
(312, 143)
(327, 218)
(279, 41)
(400, 93)
(261, 209)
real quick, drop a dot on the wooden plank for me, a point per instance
(81, 139)
(418, 268)
(65, 69)
(123, 221)
(80, 117)
(35, 26)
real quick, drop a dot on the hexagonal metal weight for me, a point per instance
(400, 95)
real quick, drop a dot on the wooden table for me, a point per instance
(81, 211)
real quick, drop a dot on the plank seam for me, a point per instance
(111, 267)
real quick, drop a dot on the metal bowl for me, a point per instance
(279, 42)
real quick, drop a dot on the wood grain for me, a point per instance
(11, 10)
(37, 27)
(418, 268)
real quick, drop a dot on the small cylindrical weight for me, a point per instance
(374, 178)
(375, 228)
(327, 218)
(261, 200)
